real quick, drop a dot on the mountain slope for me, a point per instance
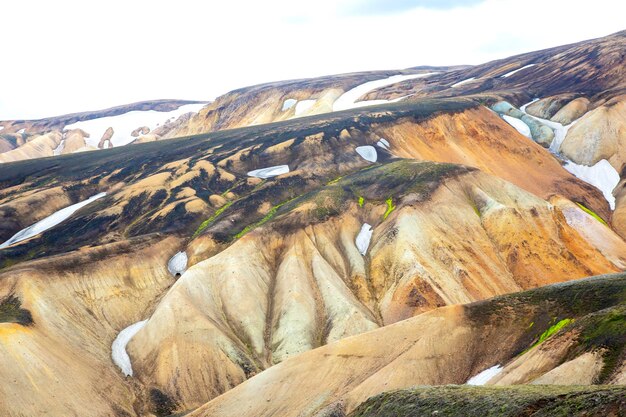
(444, 346)
(315, 254)
(307, 285)
(510, 402)
(117, 126)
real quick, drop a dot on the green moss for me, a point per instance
(516, 401)
(211, 219)
(264, 220)
(361, 201)
(11, 312)
(162, 404)
(552, 330)
(607, 331)
(548, 333)
(335, 181)
(390, 207)
(476, 210)
(593, 214)
(236, 185)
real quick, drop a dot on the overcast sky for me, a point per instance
(68, 55)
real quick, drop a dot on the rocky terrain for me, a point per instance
(522, 333)
(321, 247)
(92, 130)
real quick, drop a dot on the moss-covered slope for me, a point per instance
(518, 401)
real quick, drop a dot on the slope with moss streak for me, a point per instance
(300, 224)
(296, 280)
(444, 346)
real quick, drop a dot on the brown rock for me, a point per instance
(144, 130)
(217, 200)
(600, 134)
(549, 106)
(108, 134)
(571, 111)
(74, 140)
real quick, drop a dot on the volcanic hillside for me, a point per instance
(271, 263)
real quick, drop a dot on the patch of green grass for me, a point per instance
(270, 214)
(592, 213)
(211, 219)
(552, 330)
(361, 201)
(390, 208)
(234, 186)
(548, 333)
(334, 181)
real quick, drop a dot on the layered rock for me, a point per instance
(571, 111)
(600, 134)
(78, 303)
(300, 282)
(445, 346)
(37, 146)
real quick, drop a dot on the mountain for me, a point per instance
(534, 337)
(319, 247)
(90, 130)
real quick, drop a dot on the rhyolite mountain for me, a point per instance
(321, 247)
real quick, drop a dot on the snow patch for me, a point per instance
(269, 172)
(483, 377)
(1, 127)
(118, 348)
(518, 124)
(21, 131)
(383, 143)
(57, 151)
(363, 238)
(560, 131)
(367, 152)
(508, 74)
(303, 106)
(177, 263)
(49, 222)
(602, 175)
(348, 100)
(289, 103)
(124, 124)
(463, 82)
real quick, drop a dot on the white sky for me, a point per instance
(64, 56)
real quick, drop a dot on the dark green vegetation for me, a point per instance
(147, 157)
(516, 401)
(594, 309)
(82, 174)
(376, 184)
(11, 312)
(162, 405)
(211, 219)
(604, 331)
(550, 331)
